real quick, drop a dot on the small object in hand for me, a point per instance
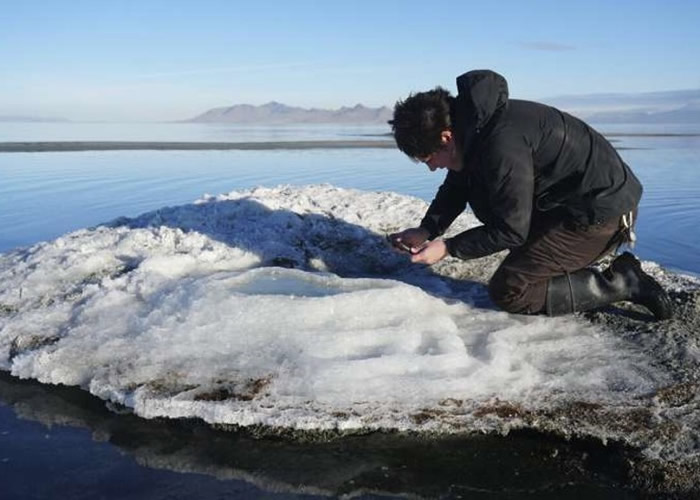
(396, 243)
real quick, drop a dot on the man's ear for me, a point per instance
(445, 137)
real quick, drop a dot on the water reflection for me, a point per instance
(522, 465)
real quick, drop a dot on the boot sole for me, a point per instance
(655, 297)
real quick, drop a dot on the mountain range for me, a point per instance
(680, 106)
(278, 113)
(689, 113)
(676, 106)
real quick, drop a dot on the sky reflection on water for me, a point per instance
(44, 195)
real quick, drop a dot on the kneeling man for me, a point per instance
(545, 185)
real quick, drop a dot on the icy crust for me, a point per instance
(284, 307)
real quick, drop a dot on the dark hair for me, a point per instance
(419, 120)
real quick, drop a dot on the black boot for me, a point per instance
(623, 280)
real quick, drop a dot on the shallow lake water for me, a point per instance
(87, 452)
(44, 195)
(206, 132)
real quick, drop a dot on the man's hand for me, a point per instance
(431, 253)
(409, 240)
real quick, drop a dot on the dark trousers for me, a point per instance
(553, 248)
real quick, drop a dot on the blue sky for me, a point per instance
(164, 60)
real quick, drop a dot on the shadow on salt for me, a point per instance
(315, 242)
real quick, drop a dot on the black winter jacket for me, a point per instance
(521, 157)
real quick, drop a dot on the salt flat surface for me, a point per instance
(285, 307)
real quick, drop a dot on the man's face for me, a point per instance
(445, 157)
(440, 159)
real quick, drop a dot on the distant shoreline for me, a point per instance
(70, 146)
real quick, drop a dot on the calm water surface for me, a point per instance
(44, 195)
(207, 132)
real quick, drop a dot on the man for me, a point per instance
(545, 185)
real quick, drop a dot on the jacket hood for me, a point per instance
(481, 93)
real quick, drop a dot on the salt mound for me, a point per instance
(285, 308)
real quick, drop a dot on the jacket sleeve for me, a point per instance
(449, 202)
(509, 181)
